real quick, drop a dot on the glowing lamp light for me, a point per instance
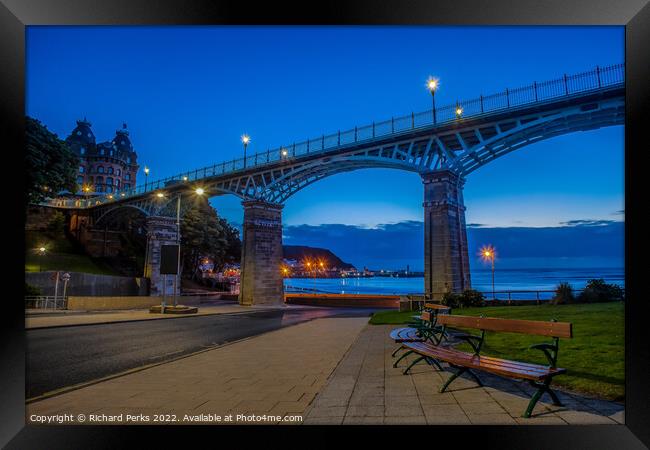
(245, 139)
(284, 152)
(146, 170)
(41, 249)
(199, 191)
(184, 178)
(459, 111)
(432, 84)
(160, 195)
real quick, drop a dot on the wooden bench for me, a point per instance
(537, 375)
(423, 331)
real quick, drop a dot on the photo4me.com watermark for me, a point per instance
(204, 418)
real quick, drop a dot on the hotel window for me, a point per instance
(109, 181)
(119, 172)
(127, 177)
(82, 150)
(80, 180)
(109, 189)
(100, 169)
(110, 170)
(127, 186)
(98, 188)
(101, 152)
(128, 159)
(81, 169)
(117, 183)
(99, 180)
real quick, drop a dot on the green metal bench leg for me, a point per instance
(541, 388)
(417, 360)
(398, 349)
(404, 355)
(556, 400)
(533, 402)
(434, 362)
(452, 378)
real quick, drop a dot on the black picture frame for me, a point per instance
(633, 14)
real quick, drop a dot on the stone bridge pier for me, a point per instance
(446, 261)
(160, 231)
(261, 278)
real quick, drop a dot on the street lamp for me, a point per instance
(86, 189)
(41, 253)
(432, 85)
(488, 253)
(198, 191)
(245, 140)
(146, 175)
(459, 111)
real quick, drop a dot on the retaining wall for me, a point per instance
(87, 284)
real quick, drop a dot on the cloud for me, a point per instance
(587, 223)
(393, 246)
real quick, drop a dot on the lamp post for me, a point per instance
(41, 253)
(146, 175)
(245, 140)
(489, 254)
(432, 85)
(86, 190)
(459, 111)
(177, 286)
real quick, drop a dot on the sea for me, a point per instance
(536, 283)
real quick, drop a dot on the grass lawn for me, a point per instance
(61, 254)
(594, 358)
(64, 261)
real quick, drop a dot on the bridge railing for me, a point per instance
(566, 86)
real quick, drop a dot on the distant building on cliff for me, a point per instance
(105, 167)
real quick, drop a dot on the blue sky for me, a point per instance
(188, 93)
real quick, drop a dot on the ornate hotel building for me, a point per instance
(105, 167)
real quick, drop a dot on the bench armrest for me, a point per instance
(550, 351)
(471, 339)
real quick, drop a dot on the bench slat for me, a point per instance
(537, 327)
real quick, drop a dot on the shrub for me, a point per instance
(466, 299)
(597, 291)
(31, 290)
(563, 294)
(56, 224)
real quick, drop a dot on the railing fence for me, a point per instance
(537, 92)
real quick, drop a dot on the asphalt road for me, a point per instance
(60, 357)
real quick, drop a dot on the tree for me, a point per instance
(202, 236)
(233, 242)
(50, 165)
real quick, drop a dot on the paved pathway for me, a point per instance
(57, 319)
(277, 373)
(366, 389)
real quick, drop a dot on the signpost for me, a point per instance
(65, 277)
(168, 266)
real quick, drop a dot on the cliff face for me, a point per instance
(300, 252)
